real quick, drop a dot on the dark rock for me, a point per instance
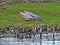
(3, 8)
(17, 31)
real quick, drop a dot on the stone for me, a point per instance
(3, 8)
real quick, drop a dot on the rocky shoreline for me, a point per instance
(19, 31)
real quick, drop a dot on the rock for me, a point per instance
(14, 31)
(10, 3)
(36, 17)
(3, 8)
(26, 16)
(1, 36)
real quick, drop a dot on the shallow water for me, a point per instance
(16, 41)
(29, 43)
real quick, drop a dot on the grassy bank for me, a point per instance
(50, 13)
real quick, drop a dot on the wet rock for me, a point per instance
(1, 36)
(44, 27)
(17, 31)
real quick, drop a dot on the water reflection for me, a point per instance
(45, 40)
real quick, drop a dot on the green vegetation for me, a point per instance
(50, 13)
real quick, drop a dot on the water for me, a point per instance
(12, 41)
(16, 41)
